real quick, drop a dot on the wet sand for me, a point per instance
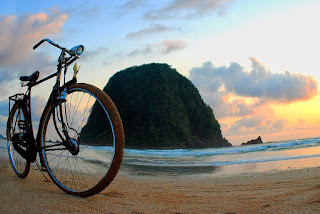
(290, 191)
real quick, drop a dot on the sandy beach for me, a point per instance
(290, 191)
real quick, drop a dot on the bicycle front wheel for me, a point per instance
(15, 132)
(86, 159)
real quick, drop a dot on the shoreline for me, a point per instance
(288, 191)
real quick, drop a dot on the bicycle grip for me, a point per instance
(38, 44)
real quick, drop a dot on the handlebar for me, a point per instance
(75, 51)
(63, 60)
(51, 42)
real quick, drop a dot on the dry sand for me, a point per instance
(291, 191)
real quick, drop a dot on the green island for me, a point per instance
(160, 109)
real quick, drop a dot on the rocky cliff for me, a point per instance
(160, 109)
(255, 141)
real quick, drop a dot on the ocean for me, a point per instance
(275, 156)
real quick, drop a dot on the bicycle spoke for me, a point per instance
(76, 110)
(77, 168)
(85, 116)
(20, 165)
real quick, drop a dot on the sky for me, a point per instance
(255, 63)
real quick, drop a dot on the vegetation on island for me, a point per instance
(159, 109)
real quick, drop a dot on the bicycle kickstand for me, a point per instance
(42, 169)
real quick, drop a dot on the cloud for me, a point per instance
(3, 125)
(4, 107)
(150, 50)
(18, 35)
(173, 45)
(4, 111)
(256, 125)
(259, 82)
(146, 50)
(243, 101)
(153, 29)
(188, 9)
(233, 92)
(227, 105)
(38, 104)
(131, 4)
(88, 12)
(136, 7)
(85, 11)
(91, 54)
(37, 61)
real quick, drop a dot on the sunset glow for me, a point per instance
(256, 64)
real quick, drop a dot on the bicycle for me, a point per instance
(80, 139)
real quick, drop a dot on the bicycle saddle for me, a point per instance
(32, 78)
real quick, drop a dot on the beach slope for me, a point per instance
(290, 191)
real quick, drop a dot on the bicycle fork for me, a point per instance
(60, 116)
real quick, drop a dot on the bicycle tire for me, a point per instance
(96, 165)
(19, 164)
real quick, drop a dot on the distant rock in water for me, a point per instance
(1, 137)
(256, 141)
(161, 109)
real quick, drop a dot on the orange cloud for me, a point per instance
(245, 91)
(257, 102)
(309, 88)
(18, 35)
(171, 45)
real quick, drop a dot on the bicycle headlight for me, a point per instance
(76, 51)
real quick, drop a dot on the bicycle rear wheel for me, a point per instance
(89, 160)
(15, 130)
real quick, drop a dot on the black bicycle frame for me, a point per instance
(53, 100)
(56, 98)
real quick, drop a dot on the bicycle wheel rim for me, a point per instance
(85, 173)
(19, 164)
